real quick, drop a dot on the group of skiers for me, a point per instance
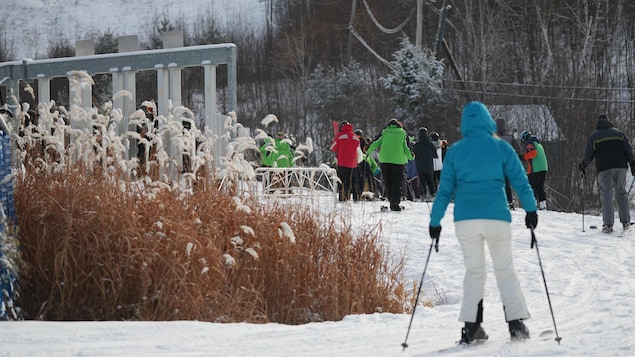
(411, 169)
(402, 173)
(399, 174)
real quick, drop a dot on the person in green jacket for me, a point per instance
(537, 166)
(394, 153)
(276, 152)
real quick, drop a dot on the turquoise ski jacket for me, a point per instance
(474, 172)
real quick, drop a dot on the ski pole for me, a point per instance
(414, 308)
(583, 193)
(534, 242)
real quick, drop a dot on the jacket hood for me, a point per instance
(476, 120)
(501, 127)
(423, 137)
(347, 128)
(603, 122)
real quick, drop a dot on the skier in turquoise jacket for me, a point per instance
(473, 175)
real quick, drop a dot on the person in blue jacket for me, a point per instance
(473, 175)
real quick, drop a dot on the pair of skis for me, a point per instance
(616, 233)
(387, 209)
(543, 336)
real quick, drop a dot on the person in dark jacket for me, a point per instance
(425, 153)
(473, 176)
(501, 131)
(394, 153)
(613, 153)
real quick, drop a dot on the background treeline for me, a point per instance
(575, 57)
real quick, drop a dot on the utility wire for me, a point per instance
(382, 28)
(360, 39)
(485, 83)
(500, 94)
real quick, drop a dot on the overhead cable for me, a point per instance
(524, 96)
(528, 85)
(360, 39)
(382, 28)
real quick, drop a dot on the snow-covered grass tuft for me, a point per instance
(286, 232)
(268, 119)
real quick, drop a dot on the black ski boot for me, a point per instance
(518, 330)
(472, 332)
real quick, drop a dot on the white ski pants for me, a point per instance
(472, 234)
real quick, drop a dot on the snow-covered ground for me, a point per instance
(590, 277)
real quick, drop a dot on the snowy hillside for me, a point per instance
(589, 276)
(31, 25)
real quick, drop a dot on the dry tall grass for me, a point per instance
(98, 249)
(99, 245)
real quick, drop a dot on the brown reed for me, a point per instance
(97, 248)
(102, 239)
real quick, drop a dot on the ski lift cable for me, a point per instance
(382, 28)
(361, 40)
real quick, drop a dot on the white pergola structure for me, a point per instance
(123, 66)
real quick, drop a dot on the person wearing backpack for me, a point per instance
(537, 166)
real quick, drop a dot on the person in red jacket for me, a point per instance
(346, 146)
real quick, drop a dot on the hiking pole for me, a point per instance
(414, 308)
(582, 176)
(534, 242)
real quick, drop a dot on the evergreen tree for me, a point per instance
(415, 83)
(106, 43)
(340, 93)
(156, 40)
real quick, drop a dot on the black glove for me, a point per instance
(581, 167)
(632, 164)
(435, 233)
(531, 220)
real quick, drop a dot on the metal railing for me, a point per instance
(297, 181)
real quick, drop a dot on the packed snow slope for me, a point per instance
(589, 277)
